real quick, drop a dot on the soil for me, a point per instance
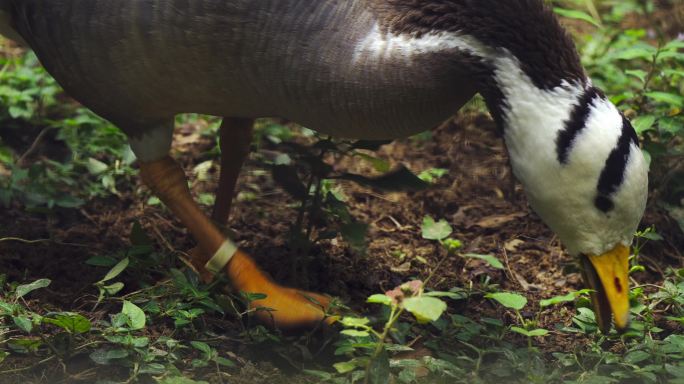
(478, 197)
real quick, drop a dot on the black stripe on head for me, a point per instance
(613, 173)
(576, 123)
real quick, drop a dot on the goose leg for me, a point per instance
(235, 139)
(292, 309)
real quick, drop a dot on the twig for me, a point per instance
(161, 237)
(511, 276)
(33, 147)
(25, 241)
(30, 367)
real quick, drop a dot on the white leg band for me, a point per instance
(222, 256)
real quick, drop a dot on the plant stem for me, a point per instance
(379, 348)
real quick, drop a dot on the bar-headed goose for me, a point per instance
(367, 69)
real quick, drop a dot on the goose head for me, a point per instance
(575, 153)
(579, 160)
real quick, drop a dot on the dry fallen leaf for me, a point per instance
(512, 245)
(497, 221)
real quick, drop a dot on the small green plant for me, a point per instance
(99, 157)
(370, 348)
(322, 210)
(57, 332)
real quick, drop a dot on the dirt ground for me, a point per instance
(478, 197)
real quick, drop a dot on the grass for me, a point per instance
(165, 330)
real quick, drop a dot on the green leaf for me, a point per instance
(489, 259)
(635, 357)
(7, 308)
(378, 164)
(454, 295)
(664, 55)
(180, 380)
(345, 367)
(105, 356)
(224, 362)
(380, 299)
(136, 316)
(435, 230)
(68, 201)
(643, 123)
(253, 296)
(641, 51)
(151, 369)
(355, 333)
(452, 245)
(558, 299)
(287, 177)
(24, 289)
(102, 261)
(401, 179)
(25, 345)
(509, 300)
(577, 15)
(425, 308)
(202, 346)
(24, 323)
(431, 175)
(96, 167)
(670, 125)
(140, 342)
(116, 270)
(69, 321)
(354, 233)
(668, 98)
(521, 331)
(538, 332)
(113, 289)
(533, 333)
(638, 73)
(6, 156)
(674, 45)
(354, 322)
(324, 376)
(673, 72)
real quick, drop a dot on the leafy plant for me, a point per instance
(323, 212)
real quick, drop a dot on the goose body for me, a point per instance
(142, 62)
(367, 69)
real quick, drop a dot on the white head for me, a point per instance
(586, 178)
(579, 160)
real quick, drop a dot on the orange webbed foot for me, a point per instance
(291, 309)
(282, 307)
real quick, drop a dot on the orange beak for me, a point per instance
(607, 274)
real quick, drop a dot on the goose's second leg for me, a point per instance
(291, 308)
(235, 139)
